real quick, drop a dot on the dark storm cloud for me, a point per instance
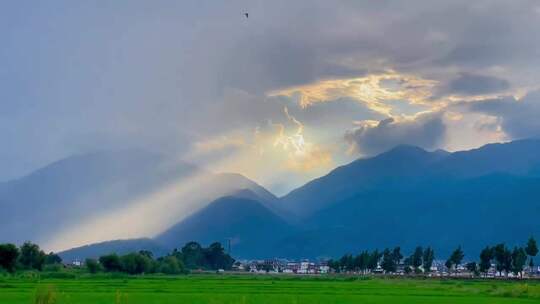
(472, 84)
(426, 131)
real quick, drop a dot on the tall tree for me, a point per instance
(31, 256)
(216, 258)
(429, 256)
(417, 259)
(136, 263)
(396, 255)
(53, 258)
(532, 250)
(92, 265)
(170, 265)
(8, 256)
(486, 255)
(519, 258)
(374, 258)
(111, 262)
(334, 264)
(361, 261)
(193, 255)
(455, 258)
(503, 258)
(408, 265)
(147, 253)
(388, 263)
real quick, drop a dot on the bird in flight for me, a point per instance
(246, 14)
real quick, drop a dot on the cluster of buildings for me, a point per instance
(438, 269)
(282, 266)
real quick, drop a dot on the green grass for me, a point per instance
(116, 289)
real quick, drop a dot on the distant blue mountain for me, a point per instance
(242, 219)
(407, 166)
(406, 196)
(443, 213)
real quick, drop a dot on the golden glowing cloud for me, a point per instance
(370, 89)
(266, 154)
(302, 155)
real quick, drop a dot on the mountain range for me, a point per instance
(406, 196)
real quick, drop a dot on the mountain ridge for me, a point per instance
(405, 196)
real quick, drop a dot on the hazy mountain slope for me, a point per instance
(61, 194)
(256, 191)
(159, 248)
(117, 246)
(66, 198)
(252, 228)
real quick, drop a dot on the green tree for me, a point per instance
(416, 259)
(135, 263)
(111, 262)
(52, 258)
(429, 256)
(362, 261)
(532, 250)
(193, 256)
(334, 264)
(31, 256)
(373, 261)
(170, 265)
(486, 255)
(408, 265)
(216, 258)
(396, 255)
(456, 257)
(347, 262)
(147, 253)
(8, 257)
(92, 265)
(519, 259)
(388, 263)
(503, 258)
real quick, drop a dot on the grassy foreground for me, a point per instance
(260, 289)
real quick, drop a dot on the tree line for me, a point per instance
(27, 257)
(421, 260)
(192, 256)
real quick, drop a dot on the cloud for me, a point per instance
(182, 76)
(517, 117)
(473, 84)
(372, 90)
(426, 131)
(302, 155)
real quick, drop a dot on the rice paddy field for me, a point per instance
(107, 289)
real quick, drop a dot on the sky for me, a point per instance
(283, 96)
